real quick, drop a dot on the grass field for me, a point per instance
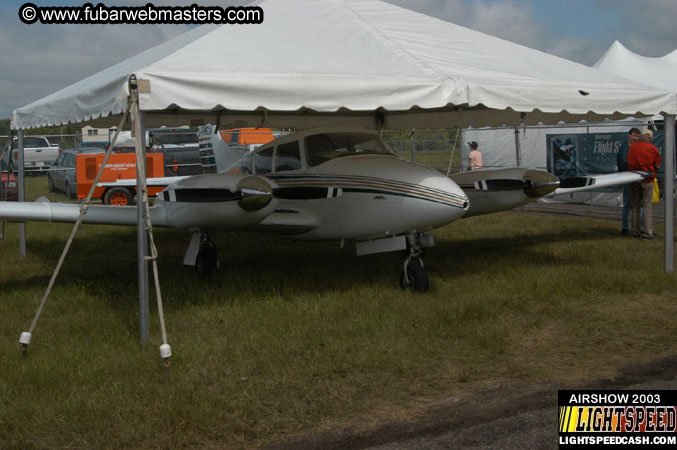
(36, 186)
(296, 336)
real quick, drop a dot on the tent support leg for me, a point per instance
(669, 164)
(142, 240)
(22, 190)
(518, 148)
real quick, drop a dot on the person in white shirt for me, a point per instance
(475, 157)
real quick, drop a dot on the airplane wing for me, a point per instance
(579, 184)
(213, 202)
(157, 181)
(43, 211)
(493, 190)
(289, 222)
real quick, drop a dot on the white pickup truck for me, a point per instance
(38, 153)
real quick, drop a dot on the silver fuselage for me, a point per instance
(354, 197)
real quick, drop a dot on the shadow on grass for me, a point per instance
(258, 265)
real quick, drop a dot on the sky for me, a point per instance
(37, 60)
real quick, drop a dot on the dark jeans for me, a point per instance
(627, 208)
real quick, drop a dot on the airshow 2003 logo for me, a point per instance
(617, 418)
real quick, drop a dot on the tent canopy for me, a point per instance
(656, 72)
(346, 63)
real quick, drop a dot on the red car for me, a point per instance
(8, 188)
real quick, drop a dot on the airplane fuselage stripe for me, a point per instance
(370, 184)
(337, 178)
(317, 187)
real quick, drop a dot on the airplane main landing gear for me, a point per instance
(414, 276)
(207, 261)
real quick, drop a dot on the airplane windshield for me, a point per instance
(321, 148)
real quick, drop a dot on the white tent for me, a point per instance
(657, 72)
(347, 62)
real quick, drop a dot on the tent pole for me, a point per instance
(22, 190)
(518, 149)
(669, 165)
(142, 242)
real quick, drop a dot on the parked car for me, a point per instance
(39, 154)
(62, 174)
(9, 192)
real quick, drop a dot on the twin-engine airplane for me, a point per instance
(332, 184)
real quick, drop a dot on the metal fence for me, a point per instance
(440, 149)
(528, 145)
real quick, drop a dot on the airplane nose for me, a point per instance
(444, 201)
(452, 192)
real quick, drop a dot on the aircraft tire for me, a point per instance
(206, 262)
(418, 278)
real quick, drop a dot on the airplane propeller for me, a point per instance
(255, 193)
(541, 183)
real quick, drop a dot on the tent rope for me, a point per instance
(453, 149)
(26, 335)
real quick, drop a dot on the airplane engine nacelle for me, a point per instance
(221, 201)
(492, 190)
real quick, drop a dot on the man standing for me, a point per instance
(622, 162)
(643, 156)
(475, 157)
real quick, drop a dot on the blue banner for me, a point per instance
(576, 155)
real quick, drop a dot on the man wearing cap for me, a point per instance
(644, 156)
(475, 157)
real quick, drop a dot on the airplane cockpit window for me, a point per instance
(288, 157)
(264, 161)
(246, 164)
(323, 147)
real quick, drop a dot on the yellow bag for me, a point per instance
(656, 192)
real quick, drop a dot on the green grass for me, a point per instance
(36, 186)
(295, 336)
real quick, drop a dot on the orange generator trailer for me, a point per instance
(120, 166)
(247, 137)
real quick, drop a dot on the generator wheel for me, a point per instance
(118, 196)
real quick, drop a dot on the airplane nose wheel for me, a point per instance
(207, 261)
(414, 276)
